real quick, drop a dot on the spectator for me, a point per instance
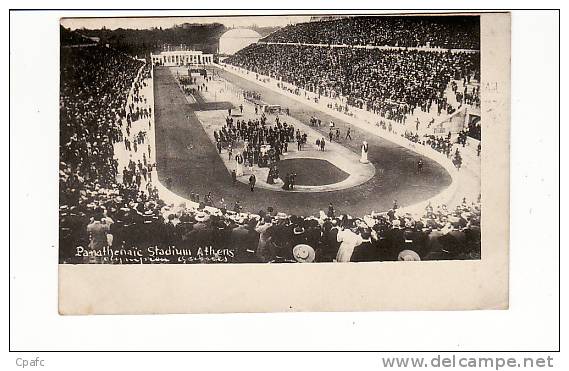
(390, 83)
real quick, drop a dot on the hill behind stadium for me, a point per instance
(204, 37)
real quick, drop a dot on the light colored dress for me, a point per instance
(348, 242)
(364, 159)
(238, 169)
(264, 250)
(238, 166)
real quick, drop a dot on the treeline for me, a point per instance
(203, 37)
(70, 38)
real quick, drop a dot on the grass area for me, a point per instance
(312, 172)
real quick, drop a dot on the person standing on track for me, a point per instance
(331, 211)
(237, 206)
(252, 181)
(348, 134)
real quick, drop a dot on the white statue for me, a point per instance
(239, 164)
(365, 148)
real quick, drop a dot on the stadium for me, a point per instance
(341, 139)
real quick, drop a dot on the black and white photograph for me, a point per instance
(270, 139)
(361, 188)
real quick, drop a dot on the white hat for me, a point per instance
(201, 216)
(298, 230)
(303, 253)
(408, 255)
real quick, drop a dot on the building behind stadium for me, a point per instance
(171, 57)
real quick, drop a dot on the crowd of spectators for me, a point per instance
(256, 134)
(95, 82)
(442, 144)
(97, 211)
(390, 83)
(271, 236)
(448, 32)
(466, 95)
(69, 38)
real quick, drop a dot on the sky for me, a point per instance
(166, 22)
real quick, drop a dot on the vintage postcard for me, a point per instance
(277, 162)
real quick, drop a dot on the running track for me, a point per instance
(188, 161)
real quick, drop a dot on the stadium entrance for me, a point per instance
(181, 58)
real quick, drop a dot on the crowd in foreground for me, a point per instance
(449, 32)
(390, 83)
(115, 218)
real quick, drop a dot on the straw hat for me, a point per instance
(298, 230)
(282, 216)
(201, 216)
(303, 253)
(408, 255)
